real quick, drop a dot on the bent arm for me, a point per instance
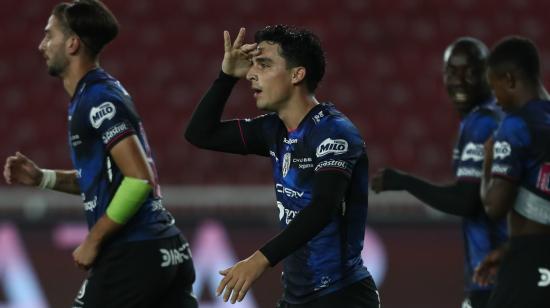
(498, 196)
(138, 182)
(329, 188)
(206, 129)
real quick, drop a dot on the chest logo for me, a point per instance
(105, 111)
(286, 164)
(336, 146)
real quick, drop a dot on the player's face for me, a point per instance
(52, 47)
(500, 90)
(463, 79)
(270, 78)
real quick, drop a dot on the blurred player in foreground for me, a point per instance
(135, 255)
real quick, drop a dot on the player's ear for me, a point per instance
(298, 74)
(510, 80)
(73, 44)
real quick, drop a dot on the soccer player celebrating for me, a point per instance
(135, 255)
(320, 169)
(465, 62)
(516, 180)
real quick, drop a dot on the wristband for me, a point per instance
(49, 177)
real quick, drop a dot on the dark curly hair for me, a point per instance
(299, 47)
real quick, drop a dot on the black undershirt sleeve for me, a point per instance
(461, 198)
(206, 129)
(329, 189)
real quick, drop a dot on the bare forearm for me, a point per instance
(66, 181)
(103, 230)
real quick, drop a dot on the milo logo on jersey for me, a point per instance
(105, 111)
(473, 151)
(335, 146)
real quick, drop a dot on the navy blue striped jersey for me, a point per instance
(522, 148)
(101, 113)
(324, 140)
(481, 234)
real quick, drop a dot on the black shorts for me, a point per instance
(362, 294)
(524, 276)
(153, 273)
(476, 299)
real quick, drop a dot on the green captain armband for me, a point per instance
(128, 198)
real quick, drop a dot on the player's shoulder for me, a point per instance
(513, 121)
(486, 114)
(326, 117)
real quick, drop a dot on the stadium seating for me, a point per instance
(384, 71)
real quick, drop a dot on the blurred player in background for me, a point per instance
(516, 179)
(320, 169)
(135, 255)
(465, 62)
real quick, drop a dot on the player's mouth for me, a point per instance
(256, 92)
(460, 96)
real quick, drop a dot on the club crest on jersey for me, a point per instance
(286, 163)
(336, 146)
(103, 112)
(502, 149)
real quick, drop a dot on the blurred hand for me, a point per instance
(240, 277)
(21, 170)
(485, 272)
(386, 179)
(85, 254)
(237, 57)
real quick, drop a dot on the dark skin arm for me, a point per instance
(460, 198)
(129, 156)
(19, 169)
(498, 194)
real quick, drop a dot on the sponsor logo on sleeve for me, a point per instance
(472, 151)
(501, 150)
(105, 111)
(468, 172)
(500, 169)
(335, 146)
(340, 164)
(113, 132)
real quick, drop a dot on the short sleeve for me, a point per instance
(510, 148)
(476, 133)
(337, 145)
(111, 117)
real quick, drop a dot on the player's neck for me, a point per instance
(531, 93)
(296, 109)
(75, 73)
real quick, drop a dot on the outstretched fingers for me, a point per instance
(240, 39)
(226, 41)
